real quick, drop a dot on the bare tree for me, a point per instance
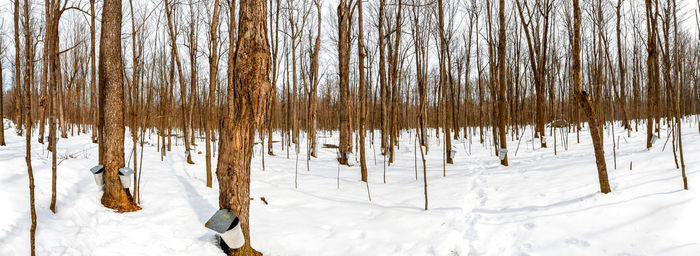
(537, 47)
(363, 94)
(251, 84)
(584, 102)
(2, 93)
(181, 79)
(112, 82)
(652, 66)
(213, 69)
(344, 71)
(502, 80)
(17, 89)
(27, 110)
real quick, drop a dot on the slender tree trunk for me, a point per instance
(382, 79)
(344, 62)
(502, 80)
(622, 69)
(652, 68)
(19, 114)
(2, 105)
(213, 68)
(27, 111)
(181, 81)
(93, 89)
(361, 63)
(585, 103)
(54, 69)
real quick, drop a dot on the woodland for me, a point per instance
(329, 127)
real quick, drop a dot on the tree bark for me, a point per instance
(502, 80)
(112, 81)
(344, 63)
(246, 110)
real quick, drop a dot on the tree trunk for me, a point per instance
(246, 111)
(585, 103)
(361, 63)
(502, 80)
(652, 69)
(112, 81)
(2, 105)
(181, 81)
(27, 112)
(213, 68)
(344, 62)
(382, 79)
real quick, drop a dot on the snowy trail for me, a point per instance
(541, 204)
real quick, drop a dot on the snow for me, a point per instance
(542, 204)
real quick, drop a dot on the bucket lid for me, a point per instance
(126, 171)
(222, 221)
(97, 169)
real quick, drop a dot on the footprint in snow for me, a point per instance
(577, 243)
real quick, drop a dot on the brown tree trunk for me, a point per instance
(502, 79)
(112, 81)
(213, 68)
(52, 44)
(93, 88)
(273, 97)
(444, 84)
(27, 112)
(382, 80)
(344, 63)
(17, 87)
(2, 105)
(314, 81)
(585, 103)
(621, 66)
(181, 81)
(652, 68)
(246, 111)
(361, 63)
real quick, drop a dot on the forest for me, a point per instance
(349, 127)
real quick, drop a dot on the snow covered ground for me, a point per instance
(542, 204)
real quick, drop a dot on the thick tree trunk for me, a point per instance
(112, 82)
(246, 110)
